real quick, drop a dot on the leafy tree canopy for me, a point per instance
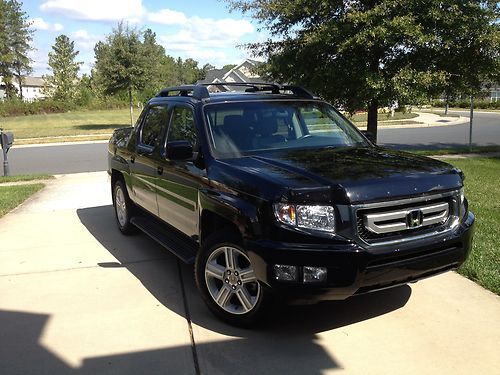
(15, 38)
(369, 53)
(62, 83)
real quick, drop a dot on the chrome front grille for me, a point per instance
(401, 220)
(404, 219)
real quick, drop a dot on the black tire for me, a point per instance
(124, 208)
(246, 300)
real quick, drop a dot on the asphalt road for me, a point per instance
(60, 159)
(485, 131)
(63, 159)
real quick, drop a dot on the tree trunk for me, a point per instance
(372, 118)
(131, 106)
(446, 105)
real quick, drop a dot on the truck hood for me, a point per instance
(349, 175)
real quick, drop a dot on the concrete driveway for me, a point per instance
(78, 297)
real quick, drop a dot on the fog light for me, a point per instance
(314, 274)
(285, 273)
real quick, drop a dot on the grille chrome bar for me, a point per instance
(410, 218)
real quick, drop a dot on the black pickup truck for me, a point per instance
(270, 191)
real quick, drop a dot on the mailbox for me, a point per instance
(7, 139)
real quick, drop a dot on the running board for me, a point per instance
(177, 243)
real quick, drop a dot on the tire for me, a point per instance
(124, 208)
(229, 288)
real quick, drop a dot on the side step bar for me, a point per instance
(177, 243)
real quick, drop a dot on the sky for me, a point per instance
(204, 30)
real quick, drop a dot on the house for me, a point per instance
(242, 73)
(32, 88)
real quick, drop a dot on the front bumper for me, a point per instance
(355, 269)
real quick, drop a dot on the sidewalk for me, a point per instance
(76, 296)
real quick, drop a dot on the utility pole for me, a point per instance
(471, 115)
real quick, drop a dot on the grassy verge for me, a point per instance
(390, 123)
(458, 150)
(363, 117)
(12, 196)
(66, 124)
(483, 191)
(25, 177)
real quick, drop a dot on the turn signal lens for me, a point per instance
(285, 213)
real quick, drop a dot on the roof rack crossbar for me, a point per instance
(300, 91)
(252, 86)
(197, 91)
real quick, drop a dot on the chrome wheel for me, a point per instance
(231, 281)
(120, 206)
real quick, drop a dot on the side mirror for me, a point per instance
(179, 150)
(369, 135)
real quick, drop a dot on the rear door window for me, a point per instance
(155, 120)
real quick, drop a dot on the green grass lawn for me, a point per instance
(25, 177)
(458, 150)
(363, 117)
(12, 196)
(66, 124)
(482, 189)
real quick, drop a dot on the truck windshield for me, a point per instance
(245, 128)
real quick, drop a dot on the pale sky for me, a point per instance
(203, 30)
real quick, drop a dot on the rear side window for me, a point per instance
(182, 126)
(156, 118)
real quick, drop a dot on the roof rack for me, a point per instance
(200, 91)
(275, 88)
(197, 91)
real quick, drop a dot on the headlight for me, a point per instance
(303, 216)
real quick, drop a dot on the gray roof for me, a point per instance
(29, 81)
(34, 81)
(237, 76)
(214, 74)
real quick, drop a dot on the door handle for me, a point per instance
(160, 170)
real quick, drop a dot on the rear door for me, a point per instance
(178, 184)
(144, 164)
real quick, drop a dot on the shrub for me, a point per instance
(12, 108)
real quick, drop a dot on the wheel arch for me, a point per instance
(227, 212)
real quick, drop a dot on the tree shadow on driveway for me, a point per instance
(133, 251)
(285, 342)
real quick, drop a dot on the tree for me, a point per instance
(120, 63)
(204, 71)
(15, 38)
(161, 69)
(5, 52)
(228, 66)
(188, 71)
(62, 83)
(369, 53)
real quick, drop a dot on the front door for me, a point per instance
(177, 186)
(144, 170)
